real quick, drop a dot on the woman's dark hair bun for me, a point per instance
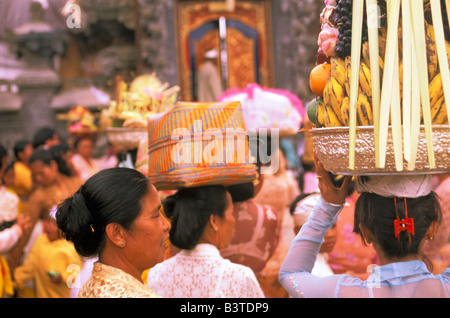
(111, 195)
(169, 205)
(75, 220)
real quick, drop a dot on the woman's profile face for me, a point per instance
(149, 233)
(85, 147)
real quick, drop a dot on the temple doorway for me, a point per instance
(240, 31)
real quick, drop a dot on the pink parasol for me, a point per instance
(268, 108)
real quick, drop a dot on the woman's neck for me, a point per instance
(115, 260)
(384, 260)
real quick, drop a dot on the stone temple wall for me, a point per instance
(25, 104)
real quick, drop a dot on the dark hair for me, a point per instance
(3, 154)
(294, 203)
(79, 139)
(46, 156)
(19, 146)
(58, 152)
(261, 148)
(190, 210)
(110, 196)
(42, 135)
(377, 213)
(241, 192)
(9, 166)
(41, 154)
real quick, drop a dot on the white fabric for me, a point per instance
(209, 86)
(83, 168)
(305, 207)
(8, 212)
(8, 205)
(9, 238)
(403, 279)
(35, 233)
(211, 54)
(408, 186)
(302, 211)
(321, 267)
(83, 276)
(203, 273)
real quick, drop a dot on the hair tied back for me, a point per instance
(406, 224)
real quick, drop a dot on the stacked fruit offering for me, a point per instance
(330, 79)
(384, 65)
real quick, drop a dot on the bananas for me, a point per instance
(439, 111)
(338, 70)
(321, 114)
(437, 101)
(330, 117)
(333, 94)
(348, 63)
(365, 81)
(364, 110)
(432, 58)
(436, 89)
(345, 111)
(335, 108)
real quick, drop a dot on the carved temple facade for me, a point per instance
(50, 62)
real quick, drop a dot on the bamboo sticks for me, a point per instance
(372, 29)
(407, 78)
(436, 13)
(396, 126)
(393, 10)
(421, 53)
(357, 21)
(404, 109)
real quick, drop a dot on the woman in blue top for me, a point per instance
(397, 228)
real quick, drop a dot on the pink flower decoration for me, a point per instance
(328, 38)
(348, 234)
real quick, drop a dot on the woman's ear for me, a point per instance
(213, 222)
(115, 233)
(431, 231)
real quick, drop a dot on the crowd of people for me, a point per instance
(75, 225)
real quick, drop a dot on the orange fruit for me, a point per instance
(318, 78)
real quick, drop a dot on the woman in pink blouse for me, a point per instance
(202, 225)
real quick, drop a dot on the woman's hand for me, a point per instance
(329, 192)
(24, 222)
(54, 277)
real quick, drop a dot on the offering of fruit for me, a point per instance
(81, 121)
(145, 96)
(318, 78)
(388, 70)
(336, 18)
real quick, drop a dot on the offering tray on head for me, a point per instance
(126, 136)
(382, 86)
(331, 147)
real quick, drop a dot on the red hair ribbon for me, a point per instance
(406, 224)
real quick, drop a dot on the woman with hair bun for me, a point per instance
(396, 214)
(116, 216)
(202, 224)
